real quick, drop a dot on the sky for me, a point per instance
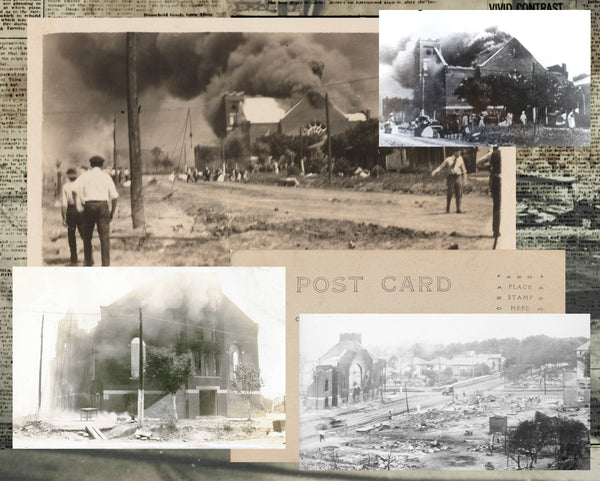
(382, 330)
(84, 83)
(553, 37)
(52, 292)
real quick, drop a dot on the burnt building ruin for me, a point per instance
(100, 368)
(346, 373)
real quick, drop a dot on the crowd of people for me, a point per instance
(218, 175)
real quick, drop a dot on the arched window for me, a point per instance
(355, 376)
(234, 359)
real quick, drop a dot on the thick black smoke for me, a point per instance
(182, 64)
(468, 50)
(284, 66)
(459, 49)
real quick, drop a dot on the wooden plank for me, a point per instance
(94, 432)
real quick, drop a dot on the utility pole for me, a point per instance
(40, 370)
(406, 397)
(330, 160)
(193, 154)
(114, 141)
(133, 121)
(141, 376)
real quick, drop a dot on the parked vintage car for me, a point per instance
(425, 127)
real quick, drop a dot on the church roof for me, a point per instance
(356, 117)
(487, 55)
(263, 110)
(584, 347)
(305, 99)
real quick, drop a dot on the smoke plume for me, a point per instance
(185, 66)
(458, 49)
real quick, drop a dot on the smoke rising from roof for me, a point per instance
(186, 66)
(458, 49)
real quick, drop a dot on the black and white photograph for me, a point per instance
(487, 392)
(210, 372)
(246, 141)
(484, 78)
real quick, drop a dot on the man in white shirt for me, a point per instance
(97, 199)
(455, 179)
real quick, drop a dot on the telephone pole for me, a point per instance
(40, 370)
(329, 159)
(133, 121)
(141, 376)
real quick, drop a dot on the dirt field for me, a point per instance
(198, 224)
(442, 435)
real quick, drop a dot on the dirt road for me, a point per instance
(353, 419)
(199, 224)
(407, 139)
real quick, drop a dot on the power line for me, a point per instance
(130, 316)
(179, 109)
(350, 81)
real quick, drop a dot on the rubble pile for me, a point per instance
(34, 428)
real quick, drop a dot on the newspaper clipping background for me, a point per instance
(552, 169)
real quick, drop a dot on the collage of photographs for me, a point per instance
(300, 240)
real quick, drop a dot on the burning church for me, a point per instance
(206, 72)
(439, 79)
(100, 369)
(462, 68)
(248, 118)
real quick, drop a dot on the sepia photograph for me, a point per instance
(487, 392)
(240, 140)
(484, 78)
(210, 372)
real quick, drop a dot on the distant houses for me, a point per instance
(468, 364)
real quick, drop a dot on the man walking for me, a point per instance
(71, 217)
(493, 160)
(99, 197)
(455, 179)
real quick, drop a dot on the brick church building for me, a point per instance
(101, 368)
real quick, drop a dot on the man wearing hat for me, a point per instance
(71, 217)
(98, 195)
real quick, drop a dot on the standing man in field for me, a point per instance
(456, 178)
(98, 197)
(493, 161)
(71, 217)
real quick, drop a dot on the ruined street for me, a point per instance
(438, 432)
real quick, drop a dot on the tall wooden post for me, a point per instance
(329, 158)
(135, 149)
(141, 376)
(114, 141)
(40, 370)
